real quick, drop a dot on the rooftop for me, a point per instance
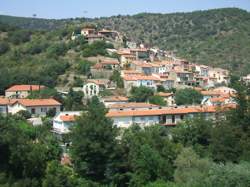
(23, 87)
(133, 105)
(169, 111)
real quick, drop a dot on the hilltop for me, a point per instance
(217, 38)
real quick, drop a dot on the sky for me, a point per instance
(58, 9)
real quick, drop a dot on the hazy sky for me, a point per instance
(98, 8)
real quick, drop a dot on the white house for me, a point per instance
(21, 91)
(218, 76)
(166, 116)
(64, 121)
(4, 103)
(87, 31)
(140, 80)
(37, 107)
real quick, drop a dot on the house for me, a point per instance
(218, 76)
(37, 107)
(184, 77)
(63, 121)
(133, 106)
(167, 116)
(145, 67)
(21, 91)
(168, 98)
(125, 57)
(140, 53)
(88, 31)
(207, 94)
(94, 86)
(130, 73)
(93, 38)
(165, 80)
(218, 101)
(109, 34)
(225, 90)
(108, 65)
(111, 100)
(140, 80)
(4, 103)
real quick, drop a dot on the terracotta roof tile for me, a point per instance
(25, 88)
(133, 105)
(68, 118)
(38, 102)
(168, 111)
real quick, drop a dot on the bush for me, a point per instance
(24, 114)
(19, 36)
(4, 47)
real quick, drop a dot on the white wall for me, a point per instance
(3, 109)
(39, 110)
(18, 94)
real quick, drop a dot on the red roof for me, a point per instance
(133, 105)
(37, 102)
(25, 88)
(115, 98)
(112, 62)
(68, 118)
(167, 111)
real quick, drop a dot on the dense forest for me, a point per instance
(217, 37)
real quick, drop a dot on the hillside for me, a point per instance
(219, 37)
(32, 23)
(215, 37)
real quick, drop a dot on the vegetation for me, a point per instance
(116, 77)
(157, 100)
(141, 94)
(187, 96)
(214, 37)
(197, 152)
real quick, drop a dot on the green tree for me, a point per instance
(73, 101)
(94, 143)
(116, 77)
(194, 132)
(187, 96)
(84, 67)
(148, 154)
(157, 100)
(141, 94)
(190, 169)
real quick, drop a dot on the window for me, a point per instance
(33, 111)
(43, 109)
(182, 117)
(173, 119)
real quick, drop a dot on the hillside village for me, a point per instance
(135, 66)
(145, 100)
